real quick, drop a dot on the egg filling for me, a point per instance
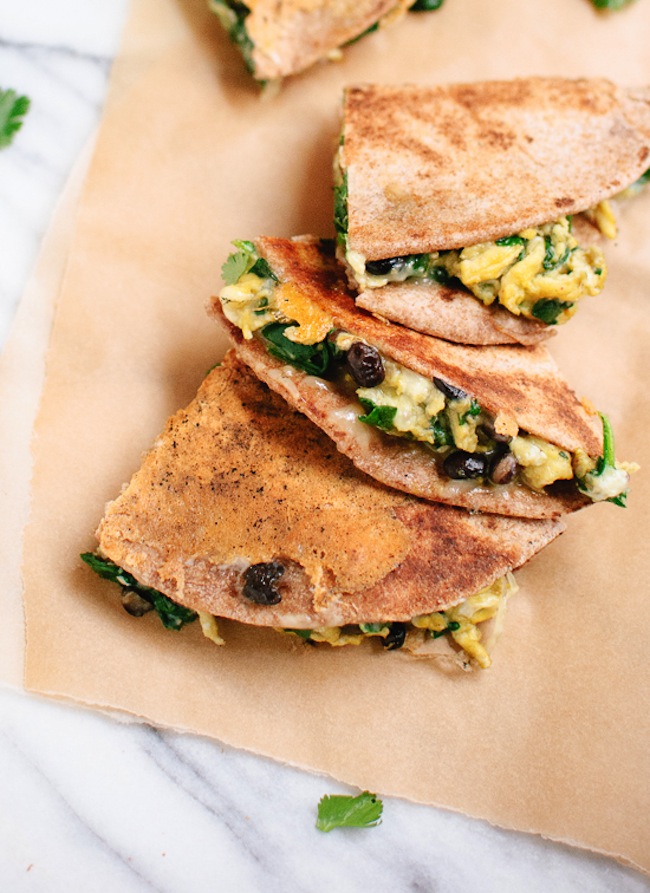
(466, 442)
(540, 273)
(461, 622)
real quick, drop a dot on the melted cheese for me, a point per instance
(312, 324)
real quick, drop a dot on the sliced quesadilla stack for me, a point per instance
(375, 464)
(244, 510)
(493, 428)
(455, 204)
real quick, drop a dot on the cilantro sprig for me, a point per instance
(245, 260)
(13, 109)
(347, 811)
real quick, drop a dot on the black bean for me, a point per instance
(453, 393)
(383, 267)
(395, 637)
(365, 365)
(503, 468)
(461, 465)
(260, 583)
(134, 604)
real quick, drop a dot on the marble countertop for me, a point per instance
(90, 803)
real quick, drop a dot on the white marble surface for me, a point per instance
(88, 803)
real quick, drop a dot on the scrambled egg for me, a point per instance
(540, 273)
(252, 303)
(209, 628)
(462, 620)
(541, 462)
(608, 483)
(419, 405)
(538, 265)
(604, 218)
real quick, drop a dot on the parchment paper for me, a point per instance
(553, 738)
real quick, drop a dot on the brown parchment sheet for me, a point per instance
(553, 739)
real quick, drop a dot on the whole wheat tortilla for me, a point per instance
(292, 35)
(451, 313)
(237, 479)
(441, 167)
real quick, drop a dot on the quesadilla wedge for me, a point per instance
(281, 39)
(243, 510)
(493, 429)
(469, 190)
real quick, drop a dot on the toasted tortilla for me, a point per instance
(238, 478)
(451, 313)
(523, 384)
(433, 168)
(292, 35)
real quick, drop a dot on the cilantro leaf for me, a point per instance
(13, 109)
(172, 615)
(246, 260)
(239, 262)
(343, 811)
(610, 4)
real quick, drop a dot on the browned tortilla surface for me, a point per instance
(451, 313)
(290, 36)
(239, 478)
(442, 167)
